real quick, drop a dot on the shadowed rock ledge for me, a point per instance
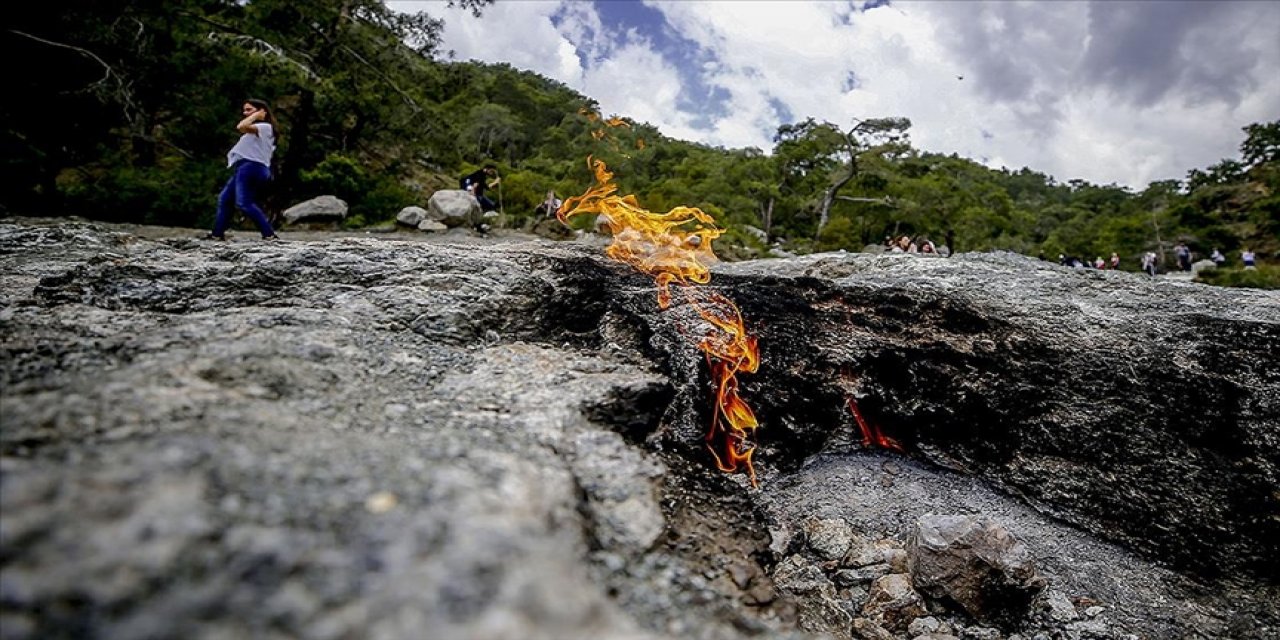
(373, 438)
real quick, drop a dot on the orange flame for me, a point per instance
(871, 434)
(675, 249)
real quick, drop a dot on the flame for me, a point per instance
(871, 434)
(674, 248)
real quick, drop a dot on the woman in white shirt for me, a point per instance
(250, 162)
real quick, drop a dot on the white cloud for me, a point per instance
(1070, 89)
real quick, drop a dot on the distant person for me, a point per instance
(1149, 260)
(1217, 257)
(1183, 252)
(927, 246)
(250, 162)
(905, 245)
(1099, 263)
(1247, 257)
(549, 206)
(477, 182)
(1115, 260)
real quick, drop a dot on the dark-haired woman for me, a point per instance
(250, 162)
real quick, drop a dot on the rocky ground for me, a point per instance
(401, 435)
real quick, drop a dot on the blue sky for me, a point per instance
(1108, 91)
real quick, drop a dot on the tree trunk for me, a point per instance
(1155, 222)
(828, 198)
(767, 219)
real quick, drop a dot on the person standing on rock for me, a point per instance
(250, 162)
(1149, 263)
(1248, 258)
(1184, 256)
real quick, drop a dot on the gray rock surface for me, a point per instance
(318, 209)
(454, 208)
(366, 437)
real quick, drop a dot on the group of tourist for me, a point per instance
(907, 244)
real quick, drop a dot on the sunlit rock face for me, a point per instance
(359, 437)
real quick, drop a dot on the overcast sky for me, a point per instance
(1108, 91)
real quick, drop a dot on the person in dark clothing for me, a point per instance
(1184, 256)
(477, 182)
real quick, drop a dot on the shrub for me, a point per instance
(1263, 277)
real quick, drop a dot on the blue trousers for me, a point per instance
(247, 178)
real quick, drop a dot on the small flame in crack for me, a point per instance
(871, 434)
(675, 248)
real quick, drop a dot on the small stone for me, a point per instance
(1094, 611)
(981, 633)
(1060, 607)
(829, 538)
(741, 574)
(921, 626)
(860, 576)
(381, 502)
(896, 559)
(870, 630)
(894, 602)
(855, 597)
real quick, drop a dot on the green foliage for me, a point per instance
(371, 196)
(838, 234)
(1263, 277)
(338, 175)
(369, 114)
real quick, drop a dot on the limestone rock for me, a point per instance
(411, 216)
(1201, 265)
(431, 226)
(893, 602)
(829, 538)
(193, 431)
(454, 208)
(318, 209)
(817, 605)
(974, 562)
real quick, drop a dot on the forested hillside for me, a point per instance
(123, 110)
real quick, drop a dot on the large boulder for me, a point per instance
(318, 209)
(454, 208)
(974, 562)
(411, 216)
(494, 439)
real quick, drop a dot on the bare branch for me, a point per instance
(107, 70)
(265, 48)
(886, 201)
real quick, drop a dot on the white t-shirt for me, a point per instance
(257, 148)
